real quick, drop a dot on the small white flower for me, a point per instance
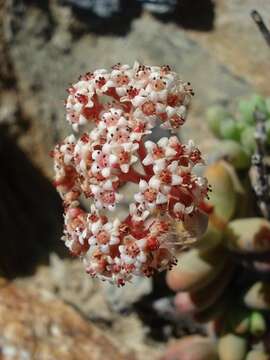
(138, 212)
(180, 208)
(103, 163)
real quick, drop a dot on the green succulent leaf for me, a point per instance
(234, 153)
(230, 130)
(248, 139)
(215, 115)
(247, 107)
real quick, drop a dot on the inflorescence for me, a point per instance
(125, 105)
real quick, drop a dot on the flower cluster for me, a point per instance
(125, 104)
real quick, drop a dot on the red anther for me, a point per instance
(152, 243)
(179, 149)
(182, 195)
(79, 249)
(165, 69)
(206, 207)
(93, 218)
(103, 219)
(159, 85)
(124, 229)
(184, 161)
(71, 90)
(75, 212)
(114, 251)
(85, 138)
(68, 180)
(133, 250)
(88, 76)
(124, 157)
(112, 92)
(132, 176)
(150, 195)
(103, 237)
(122, 80)
(195, 156)
(138, 230)
(102, 264)
(148, 271)
(116, 66)
(93, 112)
(149, 108)
(99, 177)
(176, 121)
(116, 269)
(173, 100)
(132, 92)
(163, 116)
(116, 184)
(108, 197)
(83, 99)
(129, 268)
(101, 81)
(120, 282)
(162, 227)
(158, 152)
(139, 128)
(186, 178)
(166, 176)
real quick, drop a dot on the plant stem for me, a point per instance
(132, 176)
(261, 184)
(261, 25)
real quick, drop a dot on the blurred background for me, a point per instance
(44, 46)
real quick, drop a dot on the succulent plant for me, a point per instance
(192, 347)
(232, 347)
(233, 297)
(224, 280)
(236, 130)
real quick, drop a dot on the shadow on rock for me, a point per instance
(30, 212)
(192, 15)
(117, 22)
(189, 15)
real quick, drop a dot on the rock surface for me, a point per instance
(44, 47)
(237, 43)
(36, 326)
(66, 279)
(47, 56)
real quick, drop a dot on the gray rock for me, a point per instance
(101, 8)
(42, 82)
(121, 299)
(159, 6)
(36, 325)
